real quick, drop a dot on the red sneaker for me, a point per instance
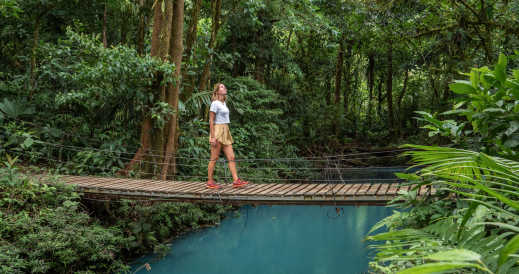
(239, 183)
(212, 185)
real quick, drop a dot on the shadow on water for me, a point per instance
(276, 239)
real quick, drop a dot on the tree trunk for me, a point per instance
(160, 41)
(35, 43)
(328, 91)
(399, 101)
(160, 37)
(347, 77)
(380, 98)
(105, 16)
(141, 28)
(174, 90)
(404, 88)
(338, 82)
(159, 136)
(371, 82)
(190, 43)
(216, 7)
(338, 72)
(389, 88)
(144, 148)
(124, 29)
(193, 28)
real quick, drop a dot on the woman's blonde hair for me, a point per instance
(215, 95)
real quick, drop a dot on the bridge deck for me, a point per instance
(335, 194)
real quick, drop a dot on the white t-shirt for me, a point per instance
(222, 112)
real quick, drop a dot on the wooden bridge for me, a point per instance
(300, 193)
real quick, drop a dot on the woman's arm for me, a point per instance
(212, 139)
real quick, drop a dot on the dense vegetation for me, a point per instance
(472, 225)
(47, 228)
(94, 87)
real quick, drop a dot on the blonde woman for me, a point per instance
(220, 136)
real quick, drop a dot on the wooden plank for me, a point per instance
(128, 183)
(283, 189)
(294, 190)
(134, 184)
(230, 190)
(286, 191)
(180, 187)
(245, 189)
(267, 192)
(315, 190)
(166, 187)
(363, 189)
(85, 181)
(325, 190)
(337, 188)
(157, 186)
(125, 184)
(78, 182)
(354, 188)
(198, 187)
(382, 190)
(98, 182)
(249, 188)
(345, 189)
(393, 189)
(226, 189)
(307, 188)
(257, 190)
(373, 189)
(190, 186)
(140, 185)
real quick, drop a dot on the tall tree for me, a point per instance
(190, 43)
(389, 87)
(160, 42)
(216, 9)
(176, 50)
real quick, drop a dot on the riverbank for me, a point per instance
(51, 229)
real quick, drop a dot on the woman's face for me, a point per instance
(222, 90)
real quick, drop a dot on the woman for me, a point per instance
(220, 136)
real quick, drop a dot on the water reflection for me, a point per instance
(277, 239)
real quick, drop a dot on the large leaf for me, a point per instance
(510, 248)
(455, 255)
(14, 109)
(437, 267)
(500, 69)
(462, 87)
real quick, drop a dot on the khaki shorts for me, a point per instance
(222, 134)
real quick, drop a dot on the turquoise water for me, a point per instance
(276, 239)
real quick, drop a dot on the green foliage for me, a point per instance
(490, 104)
(97, 80)
(478, 231)
(484, 223)
(146, 227)
(45, 228)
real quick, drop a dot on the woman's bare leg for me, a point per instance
(229, 153)
(215, 152)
